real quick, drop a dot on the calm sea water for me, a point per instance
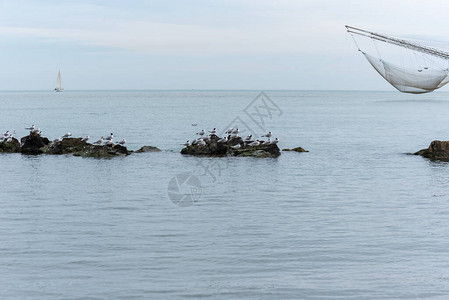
(355, 218)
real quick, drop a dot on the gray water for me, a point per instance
(354, 218)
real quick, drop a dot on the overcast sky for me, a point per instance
(201, 44)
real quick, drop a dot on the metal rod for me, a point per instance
(398, 42)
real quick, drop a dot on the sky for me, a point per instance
(199, 44)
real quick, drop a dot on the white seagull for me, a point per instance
(31, 127)
(268, 142)
(269, 134)
(110, 142)
(85, 139)
(238, 146)
(122, 142)
(213, 131)
(202, 132)
(229, 130)
(236, 131)
(223, 140)
(66, 135)
(248, 138)
(6, 133)
(110, 138)
(100, 141)
(186, 143)
(255, 143)
(276, 140)
(201, 143)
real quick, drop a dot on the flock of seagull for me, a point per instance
(230, 134)
(7, 137)
(109, 140)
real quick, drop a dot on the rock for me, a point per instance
(213, 148)
(100, 151)
(148, 149)
(438, 150)
(297, 149)
(66, 146)
(32, 144)
(11, 147)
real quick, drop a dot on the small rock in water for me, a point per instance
(297, 149)
(148, 149)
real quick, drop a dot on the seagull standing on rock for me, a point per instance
(269, 134)
(186, 143)
(202, 132)
(249, 137)
(100, 141)
(213, 131)
(268, 142)
(238, 146)
(276, 140)
(255, 143)
(85, 139)
(223, 140)
(110, 137)
(68, 134)
(122, 142)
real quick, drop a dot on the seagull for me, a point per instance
(122, 142)
(255, 143)
(100, 141)
(223, 140)
(276, 140)
(202, 132)
(269, 134)
(31, 127)
(9, 140)
(213, 131)
(236, 131)
(186, 143)
(268, 142)
(6, 133)
(66, 135)
(229, 130)
(85, 139)
(238, 146)
(201, 143)
(110, 142)
(109, 138)
(57, 140)
(248, 138)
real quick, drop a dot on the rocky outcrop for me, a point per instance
(148, 149)
(10, 147)
(297, 149)
(233, 147)
(437, 150)
(33, 144)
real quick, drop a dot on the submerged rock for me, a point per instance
(10, 147)
(33, 144)
(148, 149)
(437, 150)
(297, 149)
(214, 148)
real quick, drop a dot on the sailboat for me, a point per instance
(410, 66)
(58, 87)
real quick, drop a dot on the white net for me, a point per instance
(407, 80)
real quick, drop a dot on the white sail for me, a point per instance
(420, 69)
(58, 83)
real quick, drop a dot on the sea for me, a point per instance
(356, 217)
